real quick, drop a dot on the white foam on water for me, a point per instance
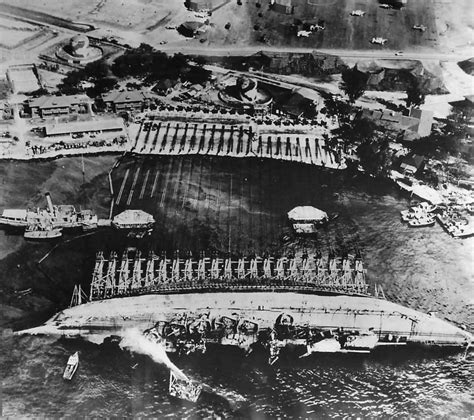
(134, 340)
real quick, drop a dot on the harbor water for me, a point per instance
(242, 210)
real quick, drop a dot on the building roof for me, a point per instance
(192, 25)
(126, 96)
(15, 213)
(409, 123)
(287, 3)
(470, 99)
(306, 213)
(425, 121)
(45, 102)
(419, 121)
(414, 161)
(84, 126)
(391, 116)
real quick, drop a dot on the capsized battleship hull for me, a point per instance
(255, 312)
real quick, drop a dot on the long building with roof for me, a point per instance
(64, 129)
(47, 106)
(134, 100)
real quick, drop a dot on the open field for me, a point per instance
(145, 21)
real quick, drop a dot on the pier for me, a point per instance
(136, 274)
(161, 135)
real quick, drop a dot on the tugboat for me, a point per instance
(184, 389)
(71, 367)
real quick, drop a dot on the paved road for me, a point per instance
(377, 53)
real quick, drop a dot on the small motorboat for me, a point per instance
(422, 221)
(71, 367)
(184, 389)
(460, 230)
(410, 214)
(427, 207)
(421, 209)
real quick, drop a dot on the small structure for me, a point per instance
(190, 29)
(282, 6)
(165, 86)
(23, 78)
(245, 93)
(133, 219)
(62, 129)
(198, 5)
(46, 106)
(412, 164)
(373, 71)
(305, 219)
(79, 51)
(415, 125)
(134, 100)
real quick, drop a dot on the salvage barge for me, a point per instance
(318, 304)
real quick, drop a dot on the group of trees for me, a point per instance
(153, 65)
(354, 84)
(445, 141)
(143, 62)
(362, 135)
(97, 73)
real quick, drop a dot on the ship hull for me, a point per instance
(393, 324)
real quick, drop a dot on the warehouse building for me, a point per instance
(83, 127)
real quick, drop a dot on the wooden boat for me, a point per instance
(38, 232)
(71, 367)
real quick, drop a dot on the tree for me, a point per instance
(196, 74)
(101, 86)
(375, 157)
(415, 93)
(354, 83)
(355, 132)
(335, 108)
(97, 69)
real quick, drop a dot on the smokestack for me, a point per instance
(50, 203)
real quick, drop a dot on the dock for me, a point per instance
(161, 135)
